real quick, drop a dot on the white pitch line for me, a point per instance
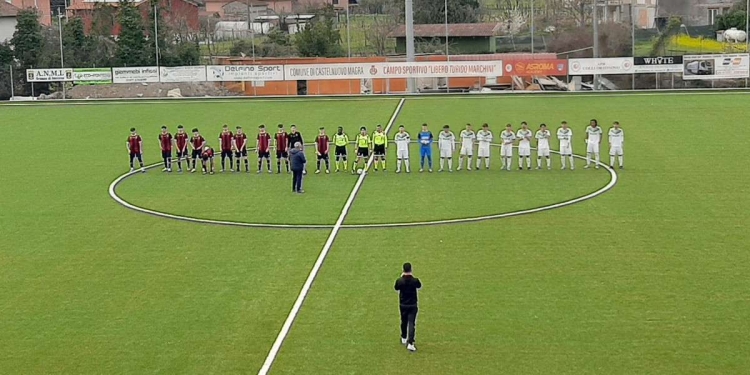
(319, 262)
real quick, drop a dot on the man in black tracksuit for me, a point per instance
(407, 286)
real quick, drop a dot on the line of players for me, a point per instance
(235, 144)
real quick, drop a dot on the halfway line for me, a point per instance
(319, 262)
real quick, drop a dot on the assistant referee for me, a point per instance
(407, 286)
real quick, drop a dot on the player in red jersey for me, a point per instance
(322, 146)
(165, 140)
(135, 149)
(197, 142)
(181, 141)
(226, 141)
(282, 147)
(240, 149)
(207, 157)
(263, 148)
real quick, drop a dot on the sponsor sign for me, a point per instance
(141, 74)
(612, 65)
(182, 74)
(665, 64)
(394, 70)
(527, 68)
(49, 75)
(92, 76)
(716, 66)
(236, 73)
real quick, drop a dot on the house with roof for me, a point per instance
(42, 7)
(464, 38)
(8, 14)
(180, 14)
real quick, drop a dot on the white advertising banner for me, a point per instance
(236, 73)
(49, 75)
(393, 70)
(716, 66)
(149, 74)
(612, 65)
(182, 74)
(103, 75)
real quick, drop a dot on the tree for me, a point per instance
(614, 41)
(433, 11)
(320, 37)
(734, 18)
(27, 39)
(75, 43)
(132, 47)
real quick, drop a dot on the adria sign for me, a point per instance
(536, 67)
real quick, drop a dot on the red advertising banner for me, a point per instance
(528, 68)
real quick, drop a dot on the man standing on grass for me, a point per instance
(425, 147)
(542, 146)
(565, 135)
(197, 142)
(240, 148)
(263, 149)
(506, 151)
(282, 145)
(484, 138)
(447, 146)
(616, 139)
(181, 141)
(321, 147)
(379, 144)
(294, 138)
(363, 143)
(467, 147)
(165, 140)
(226, 141)
(298, 160)
(402, 140)
(341, 140)
(135, 149)
(407, 286)
(593, 139)
(524, 146)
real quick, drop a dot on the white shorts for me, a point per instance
(615, 150)
(506, 150)
(402, 154)
(483, 151)
(566, 150)
(446, 153)
(592, 148)
(524, 151)
(467, 151)
(542, 151)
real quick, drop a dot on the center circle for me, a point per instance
(384, 200)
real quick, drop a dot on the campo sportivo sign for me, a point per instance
(393, 70)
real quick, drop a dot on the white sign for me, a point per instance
(613, 65)
(393, 70)
(659, 64)
(237, 73)
(49, 75)
(716, 66)
(182, 74)
(135, 75)
(93, 75)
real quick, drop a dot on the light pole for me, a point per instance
(409, 12)
(532, 27)
(447, 52)
(156, 33)
(595, 18)
(348, 33)
(62, 58)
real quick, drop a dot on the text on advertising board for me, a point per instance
(536, 67)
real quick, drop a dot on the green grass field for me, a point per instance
(649, 277)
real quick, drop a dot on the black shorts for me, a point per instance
(181, 154)
(207, 158)
(378, 150)
(323, 156)
(134, 155)
(264, 155)
(340, 151)
(166, 154)
(363, 152)
(196, 154)
(282, 155)
(226, 154)
(241, 153)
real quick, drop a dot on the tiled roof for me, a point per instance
(454, 30)
(8, 10)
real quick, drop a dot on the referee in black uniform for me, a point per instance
(407, 286)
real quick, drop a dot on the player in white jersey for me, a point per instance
(524, 136)
(447, 146)
(506, 151)
(616, 140)
(542, 146)
(593, 139)
(467, 147)
(484, 138)
(565, 136)
(402, 140)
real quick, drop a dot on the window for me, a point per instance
(713, 14)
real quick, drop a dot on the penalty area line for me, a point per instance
(273, 353)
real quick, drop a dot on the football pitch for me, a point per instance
(645, 275)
